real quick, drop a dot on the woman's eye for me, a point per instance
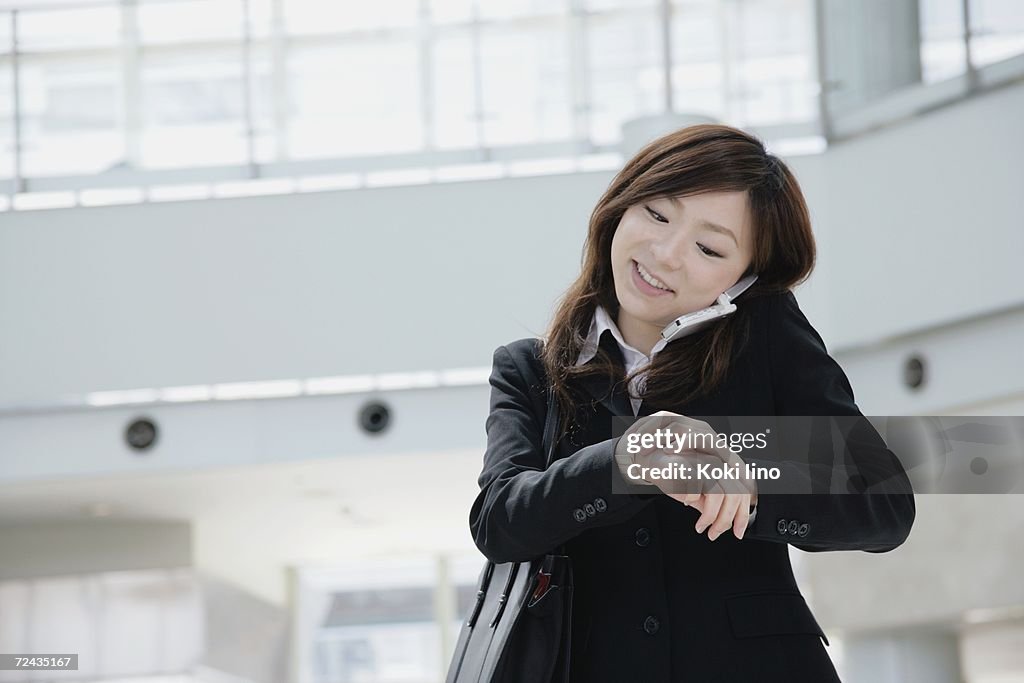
(657, 216)
(708, 251)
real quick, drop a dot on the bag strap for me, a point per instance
(550, 425)
(548, 442)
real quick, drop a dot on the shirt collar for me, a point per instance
(602, 322)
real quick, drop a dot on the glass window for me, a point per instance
(70, 105)
(6, 102)
(264, 106)
(626, 73)
(942, 39)
(604, 5)
(526, 89)
(69, 28)
(773, 62)
(997, 30)
(699, 83)
(378, 653)
(180, 21)
(195, 21)
(454, 91)
(511, 9)
(384, 634)
(192, 108)
(126, 625)
(369, 622)
(5, 33)
(70, 115)
(316, 16)
(451, 11)
(347, 79)
(361, 97)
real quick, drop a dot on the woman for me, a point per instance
(670, 585)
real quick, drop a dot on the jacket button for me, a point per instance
(794, 527)
(600, 504)
(643, 537)
(804, 528)
(781, 526)
(579, 515)
(590, 509)
(651, 625)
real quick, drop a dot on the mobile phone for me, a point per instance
(691, 322)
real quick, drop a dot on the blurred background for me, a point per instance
(255, 256)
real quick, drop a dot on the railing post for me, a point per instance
(824, 112)
(666, 52)
(253, 170)
(17, 179)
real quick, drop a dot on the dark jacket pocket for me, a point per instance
(771, 613)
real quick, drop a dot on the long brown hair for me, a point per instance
(691, 160)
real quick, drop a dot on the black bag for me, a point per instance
(519, 628)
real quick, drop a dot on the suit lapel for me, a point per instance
(602, 387)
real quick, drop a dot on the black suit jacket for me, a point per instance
(655, 601)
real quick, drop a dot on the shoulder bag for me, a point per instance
(518, 629)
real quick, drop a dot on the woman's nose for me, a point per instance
(668, 252)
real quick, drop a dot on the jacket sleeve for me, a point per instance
(807, 381)
(522, 510)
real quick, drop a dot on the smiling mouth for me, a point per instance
(649, 279)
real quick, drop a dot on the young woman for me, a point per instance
(672, 586)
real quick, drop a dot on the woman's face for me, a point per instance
(674, 241)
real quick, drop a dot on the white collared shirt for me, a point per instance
(634, 359)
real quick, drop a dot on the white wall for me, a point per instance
(60, 548)
(282, 287)
(927, 219)
(436, 276)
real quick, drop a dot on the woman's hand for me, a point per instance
(723, 503)
(721, 511)
(728, 506)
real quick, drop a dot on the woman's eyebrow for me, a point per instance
(708, 225)
(718, 228)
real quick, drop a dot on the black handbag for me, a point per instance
(519, 628)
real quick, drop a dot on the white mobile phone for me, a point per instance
(691, 322)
